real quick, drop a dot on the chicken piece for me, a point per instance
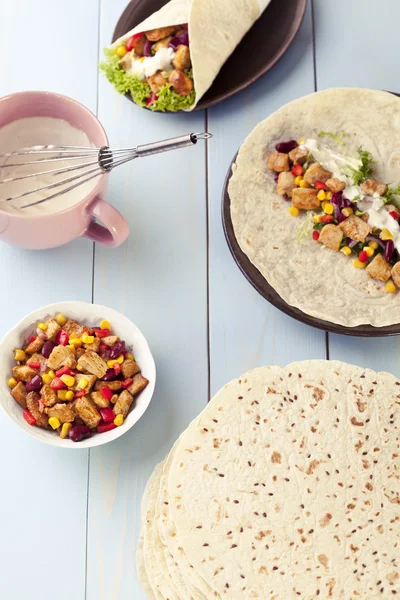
(52, 329)
(278, 161)
(79, 352)
(181, 83)
(139, 383)
(24, 373)
(373, 186)
(126, 61)
(95, 345)
(35, 346)
(32, 404)
(62, 356)
(87, 412)
(378, 268)
(355, 228)
(298, 156)
(286, 183)
(162, 43)
(395, 277)
(154, 35)
(99, 400)
(93, 363)
(129, 368)
(331, 237)
(305, 198)
(115, 386)
(156, 82)
(72, 326)
(90, 379)
(335, 185)
(19, 394)
(123, 404)
(182, 58)
(316, 172)
(138, 45)
(62, 412)
(36, 358)
(49, 396)
(110, 340)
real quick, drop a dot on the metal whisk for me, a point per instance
(92, 163)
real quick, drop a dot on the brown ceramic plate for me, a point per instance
(253, 57)
(262, 286)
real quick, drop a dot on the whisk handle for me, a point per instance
(170, 144)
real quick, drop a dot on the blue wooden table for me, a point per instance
(70, 520)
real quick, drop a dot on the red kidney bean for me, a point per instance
(47, 349)
(34, 384)
(77, 433)
(110, 375)
(117, 349)
(286, 147)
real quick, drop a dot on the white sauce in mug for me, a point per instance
(35, 131)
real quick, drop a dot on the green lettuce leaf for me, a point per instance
(337, 137)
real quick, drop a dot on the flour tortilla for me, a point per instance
(215, 29)
(318, 281)
(287, 486)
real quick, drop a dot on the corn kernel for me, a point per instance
(69, 395)
(119, 419)
(19, 355)
(141, 59)
(46, 379)
(68, 380)
(65, 430)
(386, 235)
(298, 179)
(347, 211)
(373, 245)
(303, 184)
(111, 363)
(79, 368)
(120, 359)
(328, 195)
(358, 264)
(294, 211)
(73, 336)
(75, 343)
(328, 208)
(370, 251)
(321, 195)
(316, 218)
(54, 422)
(87, 339)
(346, 250)
(12, 382)
(390, 287)
(121, 51)
(129, 356)
(82, 383)
(105, 324)
(301, 141)
(62, 394)
(42, 326)
(51, 374)
(61, 319)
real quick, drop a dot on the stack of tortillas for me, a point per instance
(287, 486)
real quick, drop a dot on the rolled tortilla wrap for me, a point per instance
(215, 29)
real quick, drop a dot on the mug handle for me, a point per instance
(116, 228)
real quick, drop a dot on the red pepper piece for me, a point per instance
(63, 371)
(297, 170)
(32, 338)
(125, 384)
(327, 219)
(80, 394)
(320, 185)
(394, 214)
(100, 333)
(106, 393)
(315, 236)
(29, 418)
(33, 364)
(107, 414)
(151, 99)
(363, 256)
(103, 427)
(103, 348)
(132, 40)
(57, 384)
(117, 368)
(62, 338)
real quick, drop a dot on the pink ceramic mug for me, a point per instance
(50, 230)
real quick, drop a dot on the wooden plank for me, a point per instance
(362, 34)
(246, 331)
(158, 279)
(44, 489)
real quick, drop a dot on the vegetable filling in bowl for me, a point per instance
(155, 68)
(351, 211)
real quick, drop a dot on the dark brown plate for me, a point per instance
(262, 286)
(253, 57)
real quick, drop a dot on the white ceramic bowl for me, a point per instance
(91, 315)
